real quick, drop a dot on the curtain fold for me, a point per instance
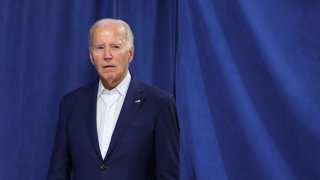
(248, 108)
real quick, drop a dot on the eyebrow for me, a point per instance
(99, 44)
(118, 44)
(102, 44)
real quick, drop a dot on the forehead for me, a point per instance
(112, 32)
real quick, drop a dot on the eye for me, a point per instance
(115, 46)
(98, 48)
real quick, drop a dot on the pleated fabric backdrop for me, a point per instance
(245, 75)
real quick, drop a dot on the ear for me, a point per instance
(90, 55)
(131, 53)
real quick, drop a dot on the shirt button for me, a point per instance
(103, 167)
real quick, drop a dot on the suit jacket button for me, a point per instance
(103, 167)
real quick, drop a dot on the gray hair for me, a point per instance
(108, 21)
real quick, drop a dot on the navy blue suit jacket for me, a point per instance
(144, 144)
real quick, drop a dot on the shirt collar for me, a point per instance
(121, 88)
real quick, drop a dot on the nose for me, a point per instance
(107, 54)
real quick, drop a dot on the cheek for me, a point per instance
(95, 63)
(95, 60)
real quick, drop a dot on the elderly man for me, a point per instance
(116, 128)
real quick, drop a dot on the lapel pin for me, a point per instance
(137, 101)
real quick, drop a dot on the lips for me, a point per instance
(108, 66)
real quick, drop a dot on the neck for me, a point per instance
(111, 84)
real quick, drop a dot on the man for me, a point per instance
(116, 128)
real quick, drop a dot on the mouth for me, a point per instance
(108, 66)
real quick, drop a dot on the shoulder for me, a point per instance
(155, 91)
(152, 91)
(82, 91)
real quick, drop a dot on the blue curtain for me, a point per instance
(248, 83)
(245, 74)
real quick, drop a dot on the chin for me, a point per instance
(108, 75)
(109, 78)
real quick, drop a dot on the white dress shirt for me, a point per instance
(109, 104)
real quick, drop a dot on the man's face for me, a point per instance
(110, 54)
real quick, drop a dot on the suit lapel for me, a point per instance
(90, 107)
(132, 103)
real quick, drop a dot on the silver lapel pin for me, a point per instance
(137, 101)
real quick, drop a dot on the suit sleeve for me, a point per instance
(167, 142)
(60, 165)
